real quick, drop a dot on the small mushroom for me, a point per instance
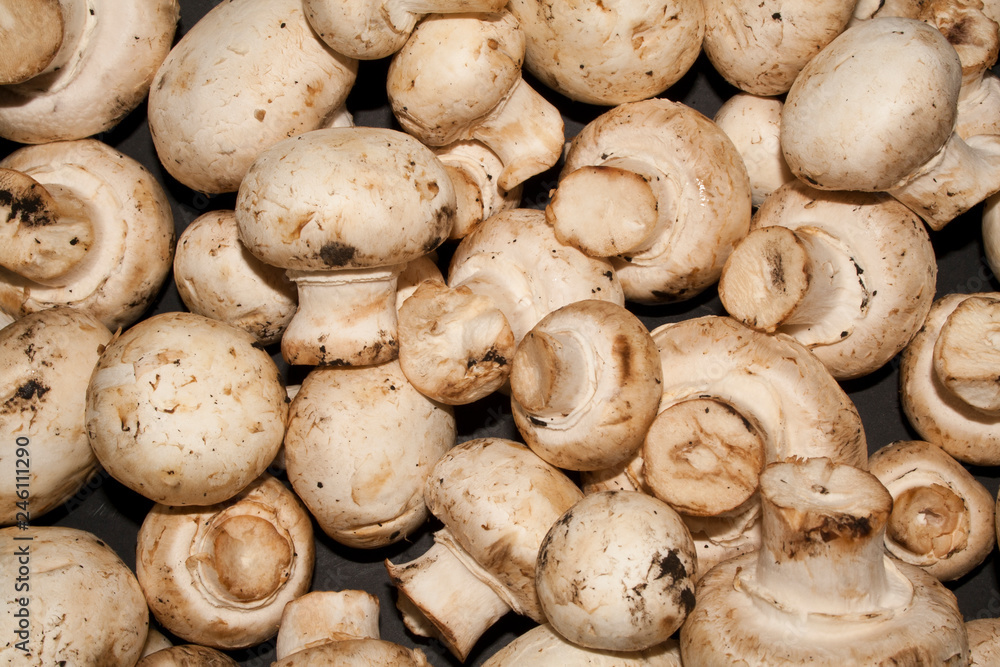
(392, 202)
(185, 410)
(244, 77)
(75, 601)
(616, 572)
(97, 226)
(458, 77)
(541, 646)
(475, 173)
(93, 63)
(942, 518)
(187, 655)
(220, 575)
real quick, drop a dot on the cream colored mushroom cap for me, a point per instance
(68, 568)
(185, 410)
(187, 655)
(612, 52)
(356, 653)
(872, 107)
(348, 197)
(541, 646)
(984, 641)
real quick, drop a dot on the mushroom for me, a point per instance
(760, 47)
(356, 653)
(244, 77)
(46, 359)
(187, 655)
(220, 575)
(475, 173)
(585, 384)
(984, 641)
(54, 570)
(96, 64)
(392, 201)
(216, 276)
(458, 77)
(414, 274)
(616, 572)
(185, 410)
(659, 189)
(612, 53)
(373, 29)
(360, 444)
(821, 576)
(496, 499)
(99, 228)
(948, 378)
(155, 641)
(849, 275)
(541, 646)
(942, 519)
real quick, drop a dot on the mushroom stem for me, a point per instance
(966, 357)
(552, 373)
(45, 231)
(345, 317)
(32, 33)
(525, 131)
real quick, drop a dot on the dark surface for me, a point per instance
(115, 513)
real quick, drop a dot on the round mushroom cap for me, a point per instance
(46, 359)
(185, 410)
(85, 607)
(187, 655)
(345, 198)
(541, 646)
(984, 641)
(872, 107)
(356, 653)
(616, 572)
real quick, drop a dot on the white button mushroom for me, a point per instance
(187, 655)
(107, 54)
(475, 172)
(185, 410)
(247, 75)
(374, 200)
(104, 207)
(220, 575)
(984, 641)
(541, 646)
(319, 617)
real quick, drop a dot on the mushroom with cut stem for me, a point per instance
(85, 226)
(187, 655)
(942, 519)
(220, 575)
(849, 275)
(375, 200)
(458, 77)
(72, 69)
(948, 378)
(247, 75)
(541, 646)
(475, 173)
(821, 575)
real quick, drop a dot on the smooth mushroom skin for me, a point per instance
(69, 567)
(216, 276)
(185, 410)
(155, 641)
(373, 29)
(943, 519)
(585, 384)
(617, 52)
(541, 646)
(319, 617)
(126, 212)
(110, 50)
(392, 202)
(852, 281)
(360, 445)
(356, 653)
(247, 75)
(475, 172)
(32, 34)
(220, 575)
(187, 655)
(458, 77)
(616, 572)
(984, 641)
(820, 576)
(950, 400)
(699, 183)
(414, 274)
(760, 47)
(46, 359)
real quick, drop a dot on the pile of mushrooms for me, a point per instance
(485, 332)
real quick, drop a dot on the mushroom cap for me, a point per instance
(901, 76)
(216, 276)
(375, 197)
(68, 568)
(187, 655)
(131, 217)
(365, 30)
(356, 653)
(618, 51)
(984, 641)
(753, 123)
(360, 445)
(319, 617)
(616, 572)
(185, 410)
(214, 106)
(32, 34)
(46, 359)
(107, 74)
(220, 575)
(541, 646)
